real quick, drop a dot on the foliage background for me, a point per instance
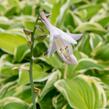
(87, 83)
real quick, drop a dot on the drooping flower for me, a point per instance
(61, 41)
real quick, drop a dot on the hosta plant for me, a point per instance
(54, 54)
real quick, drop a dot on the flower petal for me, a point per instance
(73, 59)
(65, 51)
(64, 59)
(45, 20)
(75, 36)
(68, 38)
(70, 59)
(52, 48)
(60, 43)
(59, 33)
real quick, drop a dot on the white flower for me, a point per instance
(61, 41)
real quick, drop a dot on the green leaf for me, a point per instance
(6, 67)
(87, 11)
(55, 12)
(50, 83)
(59, 102)
(76, 1)
(2, 9)
(90, 27)
(21, 52)
(85, 45)
(4, 22)
(63, 11)
(38, 74)
(66, 107)
(23, 92)
(7, 90)
(101, 52)
(27, 10)
(9, 41)
(59, 10)
(39, 49)
(47, 100)
(12, 12)
(13, 103)
(73, 20)
(53, 61)
(13, 2)
(104, 21)
(8, 70)
(87, 64)
(95, 40)
(24, 21)
(82, 91)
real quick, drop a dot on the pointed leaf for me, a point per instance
(82, 91)
(9, 41)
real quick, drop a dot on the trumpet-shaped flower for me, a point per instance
(61, 41)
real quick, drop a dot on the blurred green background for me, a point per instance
(87, 83)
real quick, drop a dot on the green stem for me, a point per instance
(31, 65)
(65, 70)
